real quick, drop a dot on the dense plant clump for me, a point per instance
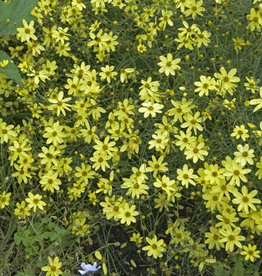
(131, 137)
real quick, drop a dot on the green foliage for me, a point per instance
(32, 237)
(11, 70)
(13, 13)
(236, 269)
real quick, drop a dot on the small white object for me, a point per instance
(88, 268)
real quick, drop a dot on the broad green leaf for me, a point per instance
(27, 272)
(239, 268)
(10, 70)
(220, 271)
(13, 13)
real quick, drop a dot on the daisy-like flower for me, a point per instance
(227, 79)
(186, 176)
(4, 199)
(34, 201)
(54, 267)
(26, 32)
(88, 268)
(150, 109)
(240, 132)
(141, 48)
(244, 155)
(245, 200)
(60, 104)
(250, 252)
(155, 247)
(232, 238)
(194, 8)
(127, 214)
(169, 65)
(235, 171)
(204, 85)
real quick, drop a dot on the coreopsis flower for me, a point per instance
(168, 65)
(4, 199)
(54, 267)
(250, 252)
(60, 104)
(227, 80)
(244, 155)
(186, 176)
(194, 8)
(127, 214)
(150, 108)
(34, 201)
(204, 85)
(6, 132)
(26, 32)
(245, 200)
(240, 132)
(155, 247)
(232, 238)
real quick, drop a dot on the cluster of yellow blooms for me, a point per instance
(115, 121)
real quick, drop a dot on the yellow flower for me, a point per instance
(4, 63)
(168, 65)
(196, 151)
(186, 176)
(26, 32)
(213, 174)
(255, 20)
(204, 85)
(238, 42)
(194, 8)
(150, 108)
(34, 201)
(4, 199)
(126, 73)
(240, 132)
(21, 210)
(193, 122)
(54, 134)
(244, 155)
(235, 171)
(159, 141)
(231, 238)
(227, 79)
(135, 188)
(50, 182)
(108, 73)
(166, 184)
(100, 161)
(157, 165)
(213, 238)
(54, 267)
(250, 252)
(155, 247)
(6, 132)
(136, 237)
(245, 200)
(141, 48)
(60, 104)
(127, 214)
